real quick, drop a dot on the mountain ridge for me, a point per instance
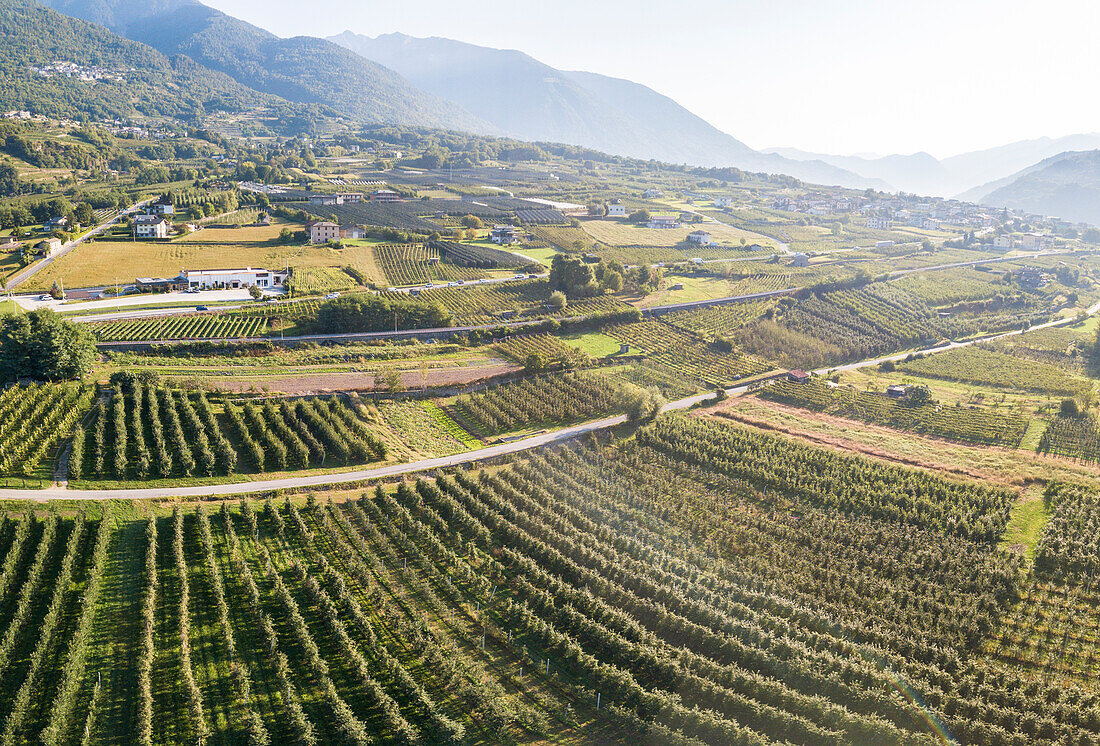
(531, 100)
(302, 69)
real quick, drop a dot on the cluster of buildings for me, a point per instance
(888, 211)
(156, 222)
(1033, 241)
(73, 71)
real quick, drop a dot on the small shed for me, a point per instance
(798, 376)
(897, 391)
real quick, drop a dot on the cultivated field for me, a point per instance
(621, 233)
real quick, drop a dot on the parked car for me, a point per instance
(45, 296)
(330, 296)
(202, 308)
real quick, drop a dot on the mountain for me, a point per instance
(1066, 185)
(113, 77)
(529, 100)
(301, 69)
(921, 173)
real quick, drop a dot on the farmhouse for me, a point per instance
(202, 279)
(322, 231)
(162, 206)
(350, 198)
(653, 194)
(47, 246)
(353, 232)
(56, 224)
(326, 199)
(616, 210)
(385, 195)
(878, 223)
(800, 260)
(503, 234)
(661, 222)
(700, 237)
(723, 201)
(151, 226)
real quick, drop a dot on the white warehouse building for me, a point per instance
(204, 279)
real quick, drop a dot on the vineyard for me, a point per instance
(981, 366)
(474, 255)
(423, 429)
(687, 355)
(544, 400)
(697, 583)
(718, 321)
(1053, 627)
(551, 350)
(400, 215)
(417, 264)
(969, 424)
(150, 432)
(183, 326)
(1075, 437)
(485, 304)
(34, 419)
(318, 281)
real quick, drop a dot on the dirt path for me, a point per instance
(317, 383)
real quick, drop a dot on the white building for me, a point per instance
(653, 194)
(663, 222)
(878, 223)
(800, 260)
(162, 206)
(700, 237)
(326, 199)
(151, 226)
(616, 210)
(385, 195)
(723, 201)
(204, 279)
(503, 234)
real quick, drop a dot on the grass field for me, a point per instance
(101, 262)
(709, 288)
(621, 233)
(595, 344)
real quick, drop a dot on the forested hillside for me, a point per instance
(134, 79)
(301, 69)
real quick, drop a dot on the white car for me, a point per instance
(45, 297)
(453, 284)
(330, 296)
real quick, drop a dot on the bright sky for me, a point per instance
(834, 76)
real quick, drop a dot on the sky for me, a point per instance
(830, 76)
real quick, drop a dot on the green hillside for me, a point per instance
(134, 80)
(300, 69)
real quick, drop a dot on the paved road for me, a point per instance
(1091, 311)
(320, 480)
(34, 269)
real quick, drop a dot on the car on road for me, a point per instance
(331, 296)
(453, 284)
(202, 308)
(517, 277)
(532, 276)
(45, 297)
